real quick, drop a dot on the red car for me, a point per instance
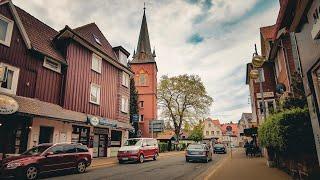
(138, 149)
(46, 158)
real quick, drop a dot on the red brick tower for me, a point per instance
(144, 66)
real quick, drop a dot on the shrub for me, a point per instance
(288, 132)
(163, 147)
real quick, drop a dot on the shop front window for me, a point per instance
(116, 137)
(80, 134)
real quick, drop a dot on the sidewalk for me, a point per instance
(248, 168)
(107, 161)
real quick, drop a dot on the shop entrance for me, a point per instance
(14, 132)
(46, 134)
(100, 142)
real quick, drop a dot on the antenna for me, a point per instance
(144, 6)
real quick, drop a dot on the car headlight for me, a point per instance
(13, 165)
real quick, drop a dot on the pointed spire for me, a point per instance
(154, 52)
(143, 53)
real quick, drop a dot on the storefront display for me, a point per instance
(116, 137)
(80, 134)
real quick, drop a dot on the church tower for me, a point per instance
(145, 69)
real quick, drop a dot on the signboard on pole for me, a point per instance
(135, 118)
(156, 126)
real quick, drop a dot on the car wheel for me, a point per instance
(81, 167)
(155, 157)
(187, 160)
(31, 172)
(141, 158)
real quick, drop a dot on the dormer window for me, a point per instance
(96, 38)
(123, 58)
(6, 26)
(52, 64)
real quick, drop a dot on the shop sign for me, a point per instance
(105, 122)
(8, 105)
(94, 121)
(115, 143)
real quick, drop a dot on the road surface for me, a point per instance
(165, 168)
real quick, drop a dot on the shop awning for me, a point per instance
(45, 109)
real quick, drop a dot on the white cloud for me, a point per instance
(171, 23)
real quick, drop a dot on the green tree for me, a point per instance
(182, 98)
(134, 108)
(197, 132)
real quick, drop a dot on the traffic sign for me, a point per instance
(156, 126)
(135, 118)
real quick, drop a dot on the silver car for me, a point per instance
(198, 152)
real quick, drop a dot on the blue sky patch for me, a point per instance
(195, 39)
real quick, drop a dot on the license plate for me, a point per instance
(125, 158)
(194, 153)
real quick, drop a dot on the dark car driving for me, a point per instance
(198, 152)
(219, 148)
(46, 158)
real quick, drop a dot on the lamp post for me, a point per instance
(257, 62)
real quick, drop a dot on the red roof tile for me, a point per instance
(268, 32)
(40, 35)
(234, 128)
(89, 31)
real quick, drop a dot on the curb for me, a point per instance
(114, 162)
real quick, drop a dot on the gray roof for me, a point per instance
(143, 53)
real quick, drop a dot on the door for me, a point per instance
(46, 134)
(69, 156)
(102, 145)
(53, 161)
(95, 146)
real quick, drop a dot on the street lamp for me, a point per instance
(257, 62)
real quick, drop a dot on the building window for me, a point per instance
(96, 38)
(209, 124)
(96, 63)
(95, 94)
(207, 132)
(123, 58)
(6, 27)
(261, 75)
(212, 132)
(141, 118)
(11, 79)
(52, 64)
(270, 106)
(125, 79)
(141, 104)
(218, 132)
(124, 104)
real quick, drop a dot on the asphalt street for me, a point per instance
(166, 168)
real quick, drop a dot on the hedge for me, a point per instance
(288, 132)
(163, 147)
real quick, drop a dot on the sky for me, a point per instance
(211, 38)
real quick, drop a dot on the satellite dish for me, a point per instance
(280, 88)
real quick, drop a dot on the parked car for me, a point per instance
(219, 148)
(138, 149)
(198, 152)
(46, 158)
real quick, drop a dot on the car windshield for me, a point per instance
(218, 145)
(133, 142)
(195, 146)
(36, 150)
